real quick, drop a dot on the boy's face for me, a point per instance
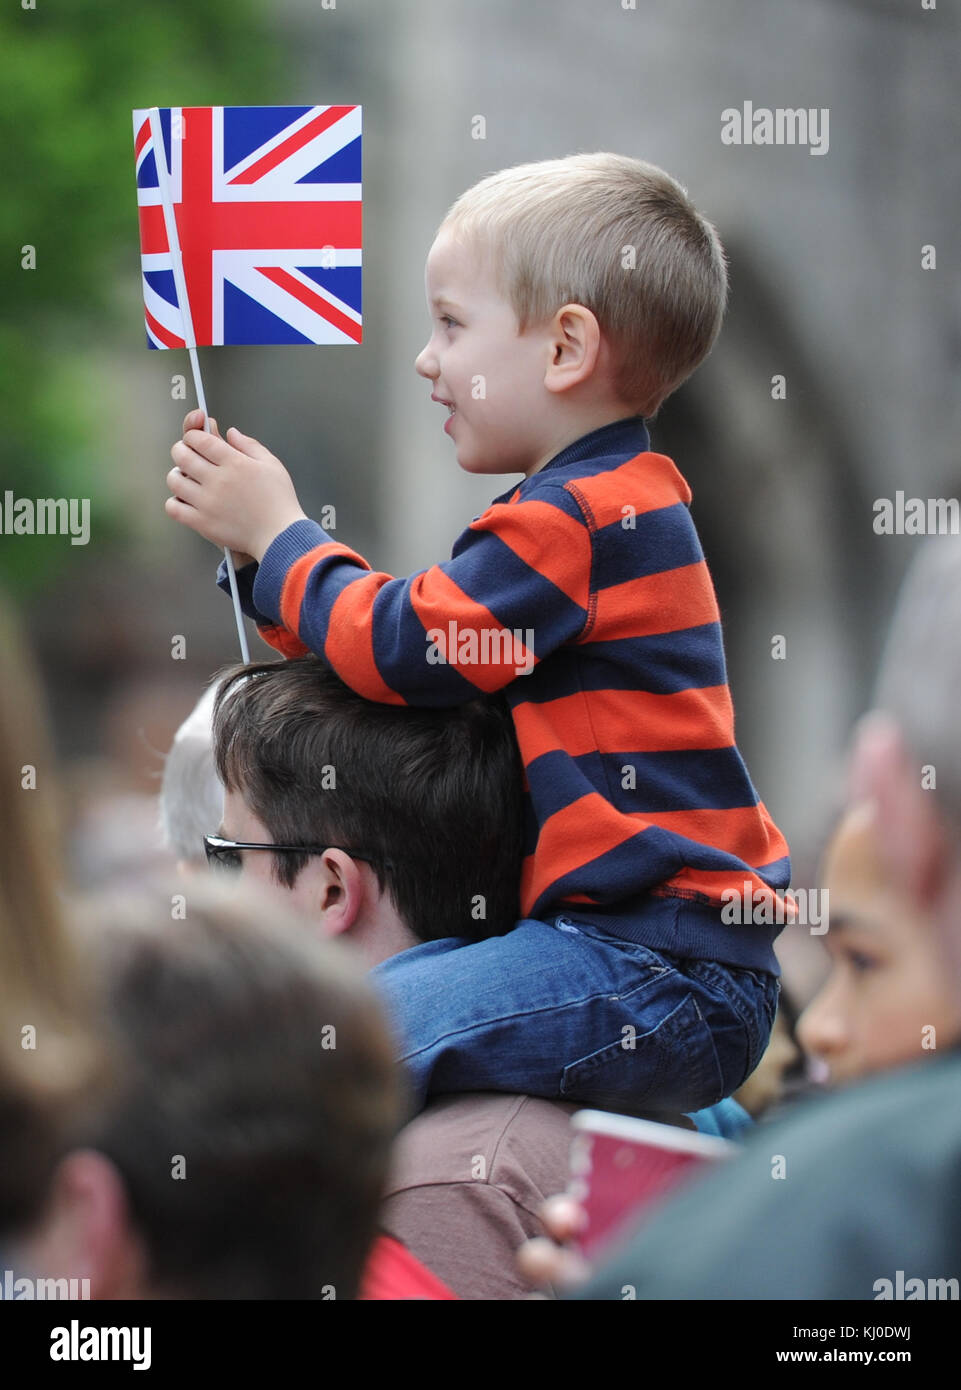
(887, 982)
(475, 359)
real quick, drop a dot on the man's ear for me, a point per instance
(87, 1231)
(337, 891)
(912, 837)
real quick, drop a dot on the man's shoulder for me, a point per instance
(469, 1177)
(517, 1142)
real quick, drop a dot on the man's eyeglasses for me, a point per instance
(225, 854)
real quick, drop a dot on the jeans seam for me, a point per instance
(747, 1016)
(522, 1013)
(718, 1069)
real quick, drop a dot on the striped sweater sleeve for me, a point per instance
(275, 636)
(515, 589)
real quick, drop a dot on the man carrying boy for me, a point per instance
(569, 299)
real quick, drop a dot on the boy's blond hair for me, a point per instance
(620, 237)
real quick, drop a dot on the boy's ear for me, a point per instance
(576, 343)
(912, 837)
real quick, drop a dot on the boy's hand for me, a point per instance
(233, 491)
(194, 420)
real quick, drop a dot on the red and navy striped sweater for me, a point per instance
(589, 579)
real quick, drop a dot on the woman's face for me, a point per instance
(884, 1003)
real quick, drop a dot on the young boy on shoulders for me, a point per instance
(568, 298)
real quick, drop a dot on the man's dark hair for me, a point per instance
(256, 1095)
(434, 795)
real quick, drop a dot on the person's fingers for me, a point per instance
(190, 463)
(563, 1217)
(194, 420)
(549, 1259)
(182, 511)
(182, 485)
(208, 446)
(541, 1261)
(246, 444)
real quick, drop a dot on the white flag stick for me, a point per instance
(177, 264)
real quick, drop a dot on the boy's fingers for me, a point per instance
(194, 420)
(243, 443)
(208, 446)
(191, 463)
(182, 485)
(181, 511)
(246, 444)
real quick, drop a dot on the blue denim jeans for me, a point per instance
(573, 1013)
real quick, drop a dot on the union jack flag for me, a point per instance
(267, 201)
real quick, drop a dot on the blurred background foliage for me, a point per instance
(72, 73)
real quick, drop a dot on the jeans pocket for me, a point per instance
(671, 1066)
